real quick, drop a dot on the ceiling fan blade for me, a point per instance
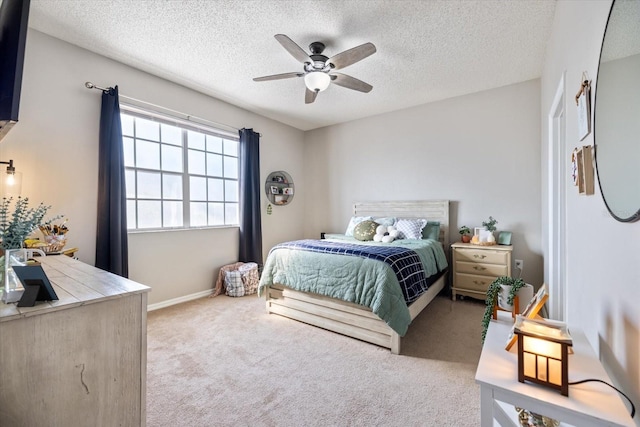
(351, 56)
(350, 82)
(278, 77)
(310, 96)
(295, 50)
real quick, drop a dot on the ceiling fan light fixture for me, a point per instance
(317, 81)
(317, 67)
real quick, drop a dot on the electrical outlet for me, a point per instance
(520, 264)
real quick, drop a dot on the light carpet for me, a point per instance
(225, 362)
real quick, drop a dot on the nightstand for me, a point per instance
(476, 266)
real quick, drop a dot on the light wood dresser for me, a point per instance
(475, 267)
(81, 360)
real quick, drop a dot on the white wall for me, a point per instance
(55, 145)
(603, 279)
(481, 151)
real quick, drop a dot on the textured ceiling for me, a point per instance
(426, 50)
(623, 32)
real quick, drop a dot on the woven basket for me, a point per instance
(483, 243)
(52, 248)
(55, 244)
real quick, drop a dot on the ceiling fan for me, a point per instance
(319, 70)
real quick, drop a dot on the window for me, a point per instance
(178, 175)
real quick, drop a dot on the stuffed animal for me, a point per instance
(385, 234)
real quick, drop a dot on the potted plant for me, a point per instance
(500, 284)
(465, 234)
(490, 226)
(15, 226)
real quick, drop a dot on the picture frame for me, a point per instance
(574, 166)
(36, 285)
(531, 311)
(585, 175)
(275, 189)
(537, 302)
(482, 233)
(278, 178)
(583, 103)
(504, 238)
(476, 232)
(287, 191)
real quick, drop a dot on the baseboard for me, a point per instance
(179, 300)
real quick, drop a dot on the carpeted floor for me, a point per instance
(225, 362)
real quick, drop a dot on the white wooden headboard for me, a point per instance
(432, 210)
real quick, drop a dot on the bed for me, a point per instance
(349, 318)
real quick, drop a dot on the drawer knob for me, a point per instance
(478, 268)
(480, 256)
(478, 282)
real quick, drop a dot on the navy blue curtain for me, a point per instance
(112, 253)
(250, 219)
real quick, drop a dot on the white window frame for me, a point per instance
(186, 126)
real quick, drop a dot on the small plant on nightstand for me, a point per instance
(490, 224)
(492, 298)
(465, 234)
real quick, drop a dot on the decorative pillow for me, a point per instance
(365, 230)
(385, 234)
(355, 220)
(431, 230)
(233, 284)
(410, 228)
(387, 221)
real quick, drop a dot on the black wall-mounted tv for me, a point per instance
(14, 19)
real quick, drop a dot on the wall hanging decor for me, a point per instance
(279, 188)
(582, 172)
(583, 101)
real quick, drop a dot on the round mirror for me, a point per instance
(617, 112)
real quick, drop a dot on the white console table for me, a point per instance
(78, 361)
(588, 405)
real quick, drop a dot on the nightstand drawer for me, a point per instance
(483, 269)
(473, 282)
(482, 255)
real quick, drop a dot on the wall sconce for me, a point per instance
(11, 181)
(543, 353)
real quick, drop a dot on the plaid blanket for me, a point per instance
(405, 263)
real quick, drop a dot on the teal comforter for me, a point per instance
(362, 281)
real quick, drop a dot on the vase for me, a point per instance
(11, 287)
(525, 294)
(491, 238)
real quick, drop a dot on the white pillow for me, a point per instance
(410, 228)
(355, 220)
(386, 220)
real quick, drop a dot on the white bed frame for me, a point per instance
(355, 320)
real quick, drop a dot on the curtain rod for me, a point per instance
(188, 117)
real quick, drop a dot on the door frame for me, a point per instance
(557, 212)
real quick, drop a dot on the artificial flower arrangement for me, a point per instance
(16, 225)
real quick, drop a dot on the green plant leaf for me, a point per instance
(492, 298)
(16, 225)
